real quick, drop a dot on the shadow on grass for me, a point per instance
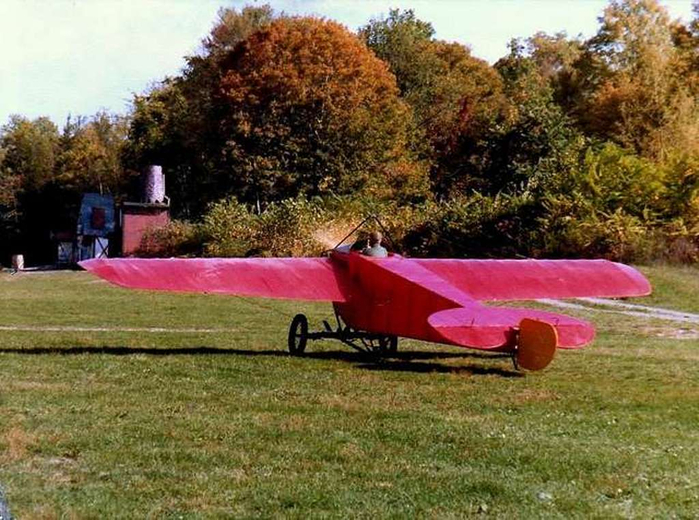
(404, 366)
(397, 362)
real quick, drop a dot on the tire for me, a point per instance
(298, 335)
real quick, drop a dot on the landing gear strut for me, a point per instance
(368, 343)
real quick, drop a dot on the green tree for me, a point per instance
(557, 61)
(400, 40)
(639, 96)
(30, 150)
(686, 41)
(165, 131)
(456, 98)
(232, 27)
(90, 157)
(9, 189)
(534, 145)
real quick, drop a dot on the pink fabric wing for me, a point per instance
(508, 280)
(313, 279)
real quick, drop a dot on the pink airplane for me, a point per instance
(377, 300)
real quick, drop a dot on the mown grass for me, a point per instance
(224, 423)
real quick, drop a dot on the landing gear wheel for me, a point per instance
(298, 335)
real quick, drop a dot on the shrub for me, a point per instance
(229, 229)
(617, 236)
(286, 228)
(614, 179)
(475, 226)
(178, 238)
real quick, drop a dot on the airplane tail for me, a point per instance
(531, 336)
(497, 328)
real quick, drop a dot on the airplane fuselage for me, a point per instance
(398, 296)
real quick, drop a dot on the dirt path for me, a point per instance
(627, 309)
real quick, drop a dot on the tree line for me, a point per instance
(281, 129)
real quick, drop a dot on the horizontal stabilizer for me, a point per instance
(495, 327)
(311, 279)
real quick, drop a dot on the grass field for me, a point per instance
(217, 421)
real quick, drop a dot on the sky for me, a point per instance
(61, 57)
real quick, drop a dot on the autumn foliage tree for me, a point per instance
(309, 109)
(641, 101)
(91, 154)
(273, 107)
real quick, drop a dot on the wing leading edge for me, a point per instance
(508, 280)
(312, 279)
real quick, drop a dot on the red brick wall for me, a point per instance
(135, 224)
